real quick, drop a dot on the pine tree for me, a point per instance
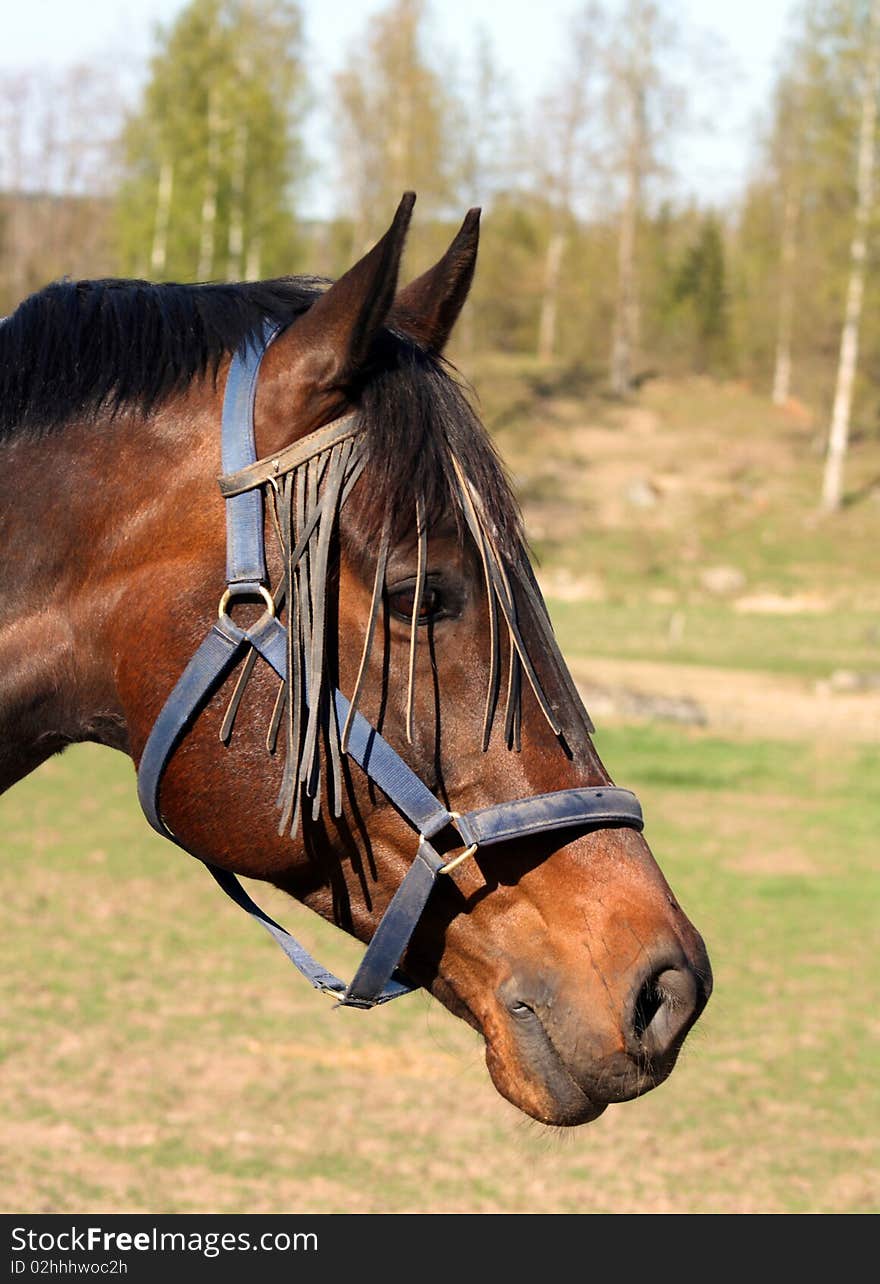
(701, 283)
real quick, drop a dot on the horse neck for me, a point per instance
(71, 506)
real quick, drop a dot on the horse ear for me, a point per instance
(428, 307)
(306, 371)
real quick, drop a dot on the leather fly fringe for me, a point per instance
(305, 503)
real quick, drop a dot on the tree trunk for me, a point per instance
(838, 436)
(626, 318)
(14, 134)
(236, 205)
(252, 265)
(550, 297)
(785, 315)
(159, 251)
(207, 235)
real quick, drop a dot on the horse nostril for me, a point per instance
(648, 1000)
(665, 1007)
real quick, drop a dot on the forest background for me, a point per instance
(196, 168)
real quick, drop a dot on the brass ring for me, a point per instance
(450, 865)
(229, 595)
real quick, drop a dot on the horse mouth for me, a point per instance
(528, 1070)
(542, 1086)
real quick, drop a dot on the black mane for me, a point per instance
(78, 349)
(83, 349)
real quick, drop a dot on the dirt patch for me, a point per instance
(643, 459)
(729, 701)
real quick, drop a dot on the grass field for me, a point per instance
(160, 1055)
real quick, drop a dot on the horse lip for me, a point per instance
(573, 1103)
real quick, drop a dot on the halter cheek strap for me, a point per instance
(377, 979)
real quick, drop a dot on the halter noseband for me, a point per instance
(377, 979)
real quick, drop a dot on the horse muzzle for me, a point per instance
(563, 1063)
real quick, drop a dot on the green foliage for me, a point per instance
(675, 285)
(808, 176)
(700, 286)
(506, 292)
(212, 167)
(218, 124)
(755, 282)
(395, 121)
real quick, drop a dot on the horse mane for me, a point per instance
(80, 350)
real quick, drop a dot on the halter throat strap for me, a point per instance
(378, 978)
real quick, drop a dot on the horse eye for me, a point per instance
(402, 603)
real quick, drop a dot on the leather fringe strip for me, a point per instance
(305, 504)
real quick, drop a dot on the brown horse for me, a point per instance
(396, 575)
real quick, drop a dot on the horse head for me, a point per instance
(392, 696)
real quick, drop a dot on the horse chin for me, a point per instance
(553, 1099)
(533, 1077)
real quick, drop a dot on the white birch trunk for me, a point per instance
(785, 316)
(252, 264)
(159, 250)
(626, 320)
(838, 436)
(208, 230)
(236, 208)
(626, 315)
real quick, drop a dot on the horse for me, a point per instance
(368, 710)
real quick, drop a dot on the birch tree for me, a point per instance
(810, 171)
(57, 173)
(395, 122)
(568, 155)
(641, 98)
(485, 118)
(838, 436)
(212, 153)
(796, 221)
(788, 147)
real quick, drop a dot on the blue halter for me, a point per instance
(377, 979)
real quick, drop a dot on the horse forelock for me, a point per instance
(420, 426)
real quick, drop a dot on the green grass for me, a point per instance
(805, 645)
(159, 1055)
